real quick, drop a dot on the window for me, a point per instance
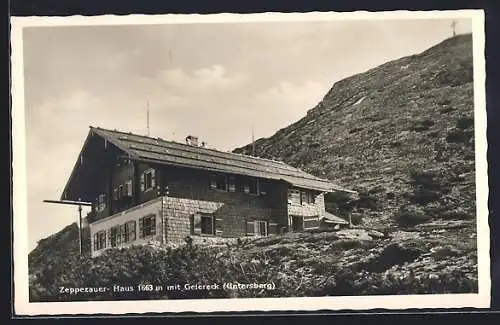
(300, 197)
(306, 197)
(99, 240)
(218, 182)
(261, 228)
(251, 187)
(207, 225)
(128, 232)
(148, 180)
(257, 228)
(127, 188)
(203, 224)
(297, 223)
(123, 191)
(231, 184)
(147, 226)
(101, 202)
(293, 196)
(115, 236)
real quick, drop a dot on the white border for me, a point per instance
(22, 306)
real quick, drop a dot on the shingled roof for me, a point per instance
(159, 151)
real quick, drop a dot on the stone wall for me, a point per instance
(308, 210)
(179, 211)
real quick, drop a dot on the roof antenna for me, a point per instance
(253, 141)
(147, 117)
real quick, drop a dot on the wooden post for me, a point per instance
(79, 203)
(80, 226)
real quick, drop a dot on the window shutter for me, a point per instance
(250, 228)
(95, 242)
(141, 234)
(123, 235)
(219, 226)
(153, 178)
(129, 187)
(197, 224)
(108, 238)
(273, 228)
(142, 182)
(153, 225)
(119, 236)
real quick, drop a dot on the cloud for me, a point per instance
(78, 100)
(205, 80)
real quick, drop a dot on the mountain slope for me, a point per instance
(373, 129)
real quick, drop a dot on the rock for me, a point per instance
(376, 234)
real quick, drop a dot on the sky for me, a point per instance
(216, 81)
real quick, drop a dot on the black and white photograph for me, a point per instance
(239, 162)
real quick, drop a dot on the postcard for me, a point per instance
(249, 162)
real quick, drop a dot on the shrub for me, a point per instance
(340, 202)
(422, 125)
(348, 243)
(356, 218)
(465, 123)
(446, 110)
(367, 200)
(411, 215)
(424, 177)
(423, 196)
(393, 254)
(456, 214)
(459, 136)
(443, 252)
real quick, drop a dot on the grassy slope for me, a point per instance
(367, 133)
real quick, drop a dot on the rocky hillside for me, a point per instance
(382, 130)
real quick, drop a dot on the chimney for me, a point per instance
(192, 140)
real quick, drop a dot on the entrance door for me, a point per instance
(297, 223)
